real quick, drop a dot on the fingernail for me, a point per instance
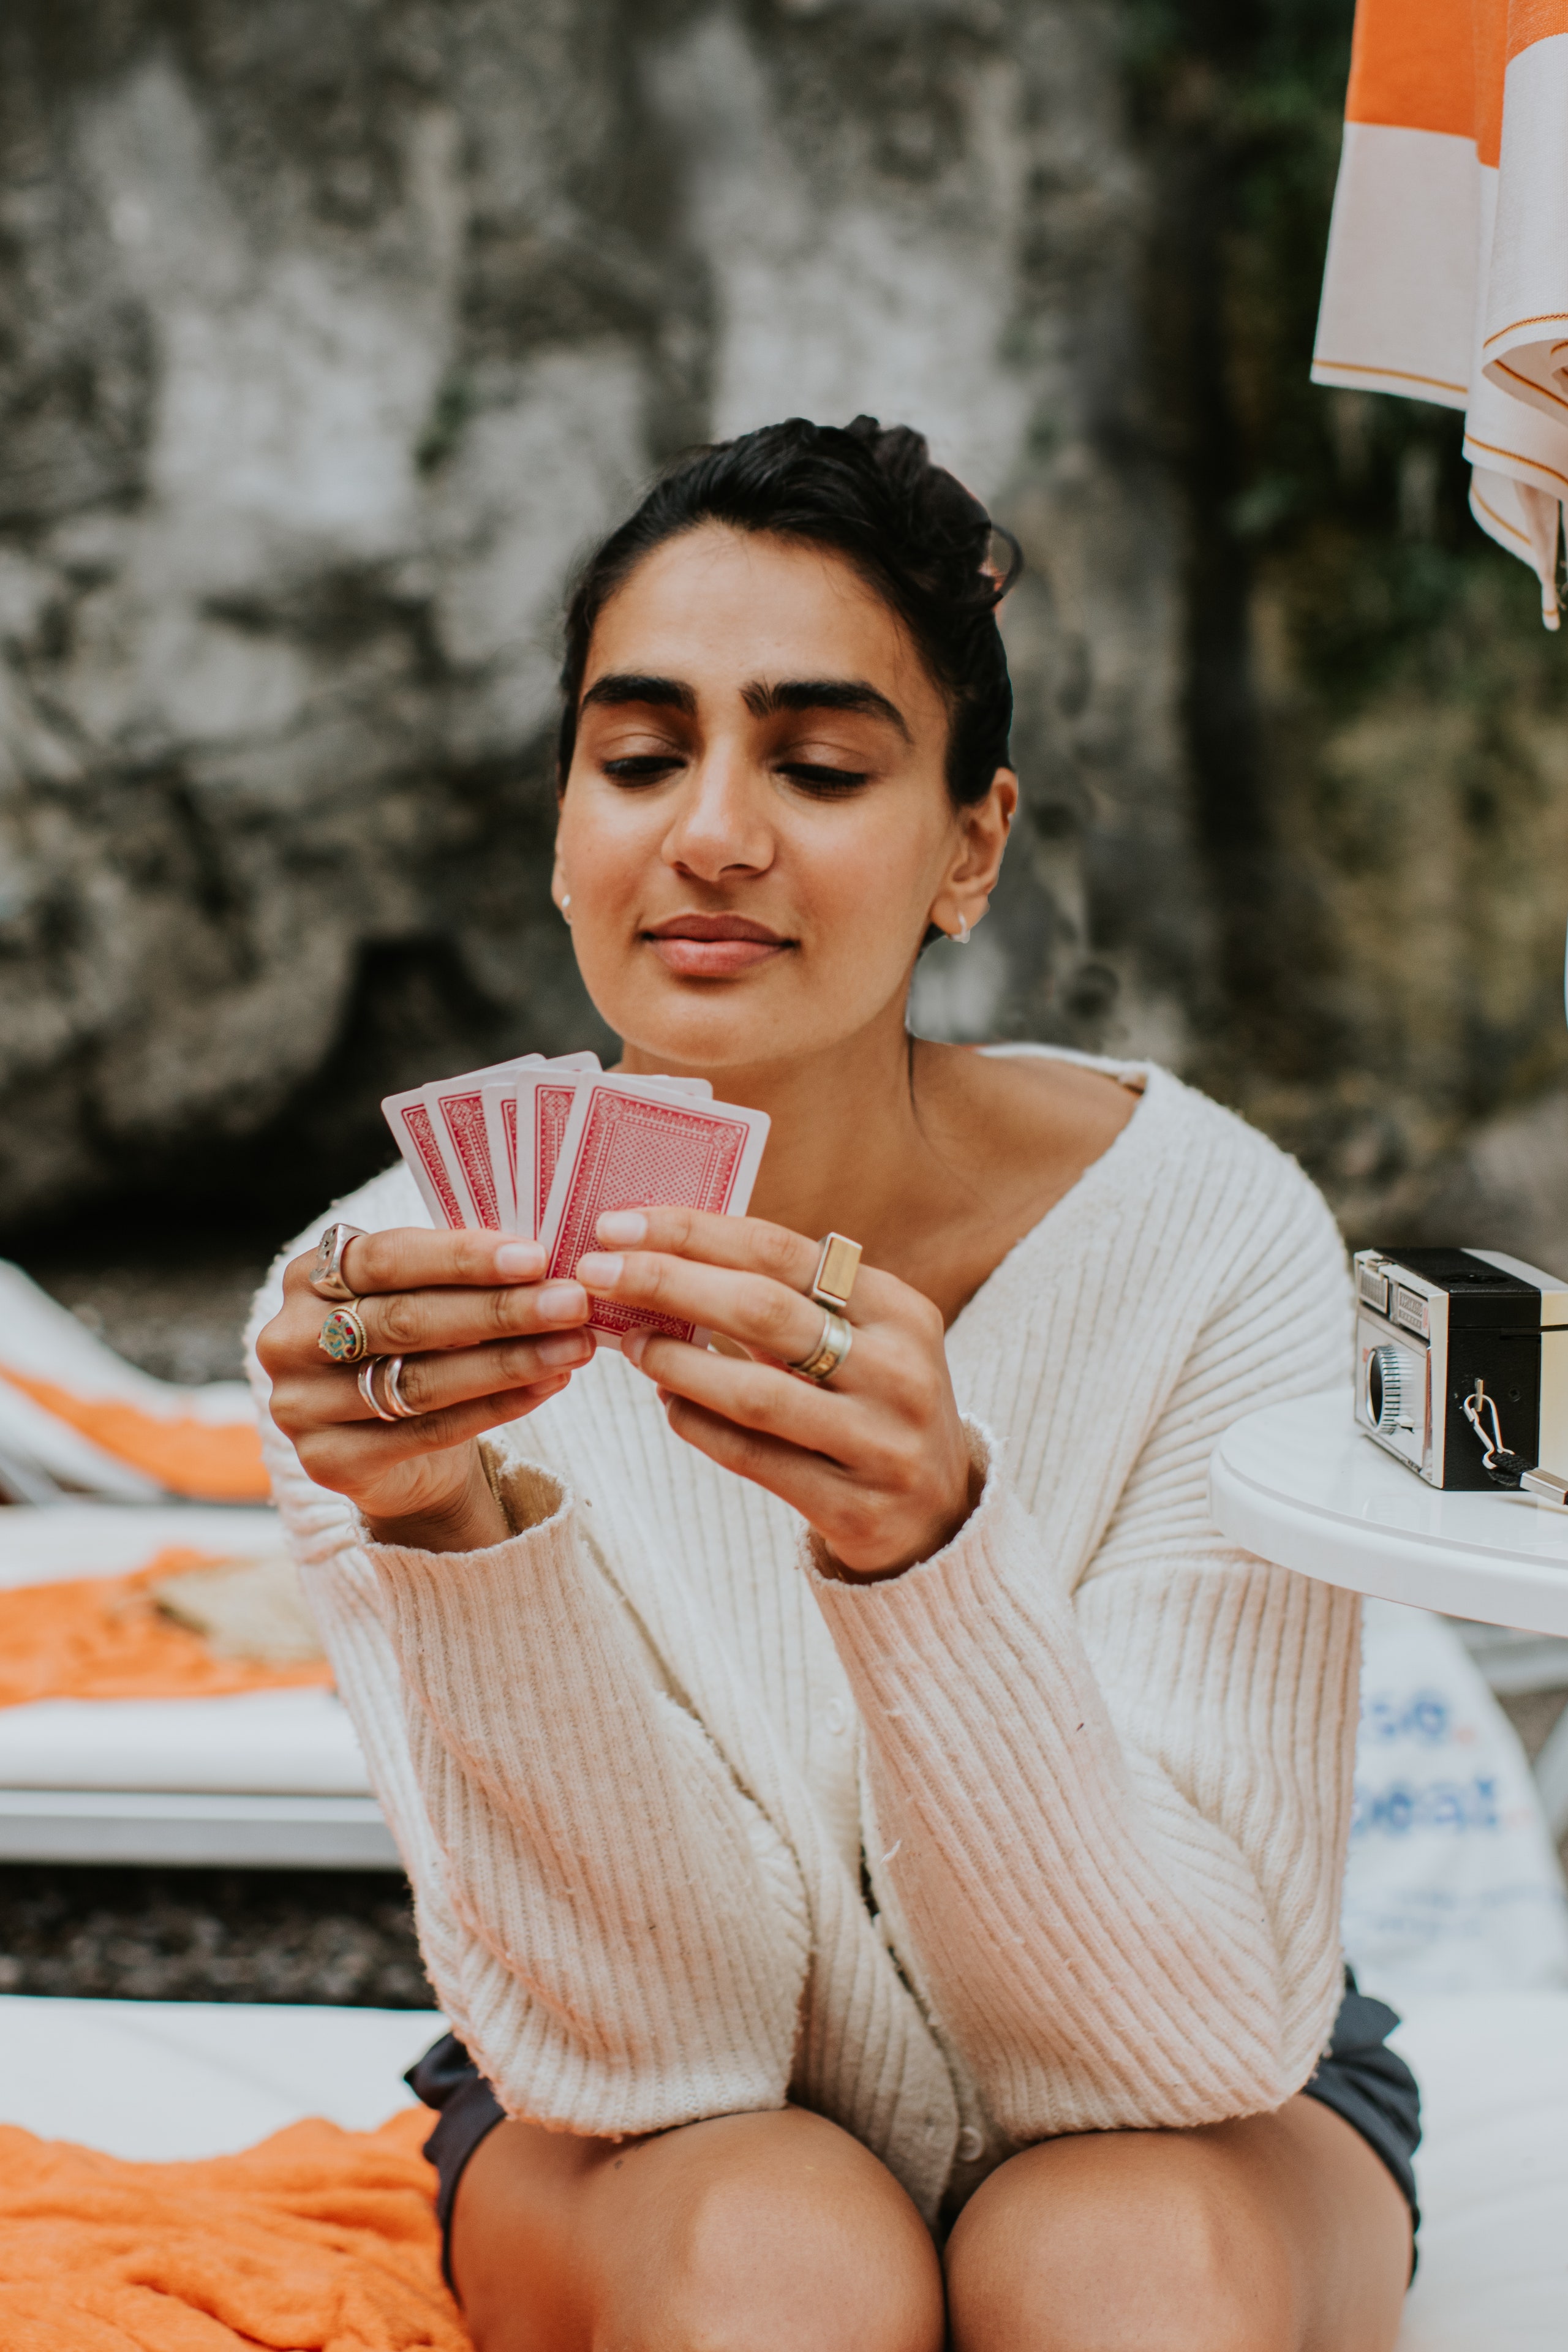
(632, 1347)
(569, 1348)
(597, 1272)
(562, 1302)
(622, 1228)
(516, 1261)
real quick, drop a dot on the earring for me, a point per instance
(962, 936)
(566, 909)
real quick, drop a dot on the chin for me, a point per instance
(703, 1025)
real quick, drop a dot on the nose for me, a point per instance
(721, 825)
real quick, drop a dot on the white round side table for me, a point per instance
(1299, 1485)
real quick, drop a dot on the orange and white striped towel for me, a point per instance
(1447, 267)
(82, 1415)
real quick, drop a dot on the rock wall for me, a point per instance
(334, 334)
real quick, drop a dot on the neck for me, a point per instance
(847, 1149)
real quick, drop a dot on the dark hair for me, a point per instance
(871, 493)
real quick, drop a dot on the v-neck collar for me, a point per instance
(1083, 1192)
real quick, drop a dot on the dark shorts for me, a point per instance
(1360, 2078)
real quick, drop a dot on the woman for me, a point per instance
(879, 1847)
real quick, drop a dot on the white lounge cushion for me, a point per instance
(161, 2080)
(1493, 2172)
(169, 2079)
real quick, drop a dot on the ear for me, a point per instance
(558, 891)
(980, 841)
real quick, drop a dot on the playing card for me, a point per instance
(456, 1108)
(628, 1145)
(449, 1142)
(413, 1132)
(543, 1101)
(498, 1101)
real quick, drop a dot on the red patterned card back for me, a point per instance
(639, 1154)
(465, 1118)
(551, 1110)
(422, 1135)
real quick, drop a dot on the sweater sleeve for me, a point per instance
(613, 1926)
(1111, 1822)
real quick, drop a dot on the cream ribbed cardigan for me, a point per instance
(1044, 1835)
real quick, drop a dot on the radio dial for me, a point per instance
(1386, 1395)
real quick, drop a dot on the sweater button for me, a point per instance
(836, 1718)
(971, 2145)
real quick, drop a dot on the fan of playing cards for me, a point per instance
(543, 1148)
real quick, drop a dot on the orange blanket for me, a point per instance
(316, 2241)
(104, 1637)
(209, 1461)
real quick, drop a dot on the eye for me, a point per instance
(640, 767)
(825, 781)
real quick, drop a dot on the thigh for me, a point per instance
(1278, 2233)
(759, 2233)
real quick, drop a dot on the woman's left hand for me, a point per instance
(876, 1460)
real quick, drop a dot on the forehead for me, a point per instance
(719, 607)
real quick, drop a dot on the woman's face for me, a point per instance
(756, 829)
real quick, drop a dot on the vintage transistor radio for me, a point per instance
(1462, 1367)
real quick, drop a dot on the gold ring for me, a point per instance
(342, 1336)
(367, 1388)
(837, 1264)
(828, 1357)
(326, 1277)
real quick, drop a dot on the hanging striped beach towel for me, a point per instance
(1448, 267)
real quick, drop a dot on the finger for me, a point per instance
(415, 1322)
(433, 1384)
(811, 1484)
(351, 1458)
(745, 1244)
(411, 1257)
(754, 1396)
(751, 1308)
(429, 1383)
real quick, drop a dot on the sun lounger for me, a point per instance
(74, 1415)
(269, 1778)
(165, 2080)
(160, 2081)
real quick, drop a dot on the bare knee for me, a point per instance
(816, 2246)
(1077, 2247)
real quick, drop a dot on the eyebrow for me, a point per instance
(762, 700)
(632, 686)
(851, 694)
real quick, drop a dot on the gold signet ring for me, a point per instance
(837, 1264)
(830, 1351)
(342, 1336)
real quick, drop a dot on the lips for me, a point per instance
(712, 947)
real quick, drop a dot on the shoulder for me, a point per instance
(1225, 1172)
(1186, 1177)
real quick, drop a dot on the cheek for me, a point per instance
(872, 884)
(603, 849)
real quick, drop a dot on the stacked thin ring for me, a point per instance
(829, 1355)
(398, 1407)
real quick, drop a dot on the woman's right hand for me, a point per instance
(483, 1342)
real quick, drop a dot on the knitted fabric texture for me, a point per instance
(1044, 1835)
